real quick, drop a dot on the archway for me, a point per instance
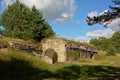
(52, 55)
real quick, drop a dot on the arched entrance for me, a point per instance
(51, 54)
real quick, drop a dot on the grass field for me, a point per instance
(15, 65)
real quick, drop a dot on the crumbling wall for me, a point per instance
(62, 50)
(2, 46)
(58, 45)
(29, 48)
(50, 56)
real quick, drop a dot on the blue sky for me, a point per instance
(78, 26)
(73, 24)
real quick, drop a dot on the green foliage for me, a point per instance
(15, 65)
(73, 56)
(101, 43)
(21, 66)
(111, 45)
(22, 22)
(116, 41)
(111, 50)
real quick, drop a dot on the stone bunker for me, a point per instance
(62, 50)
(57, 49)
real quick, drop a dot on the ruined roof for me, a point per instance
(81, 45)
(75, 44)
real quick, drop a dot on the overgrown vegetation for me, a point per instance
(77, 43)
(22, 66)
(111, 45)
(20, 21)
(16, 65)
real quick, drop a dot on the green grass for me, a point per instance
(15, 65)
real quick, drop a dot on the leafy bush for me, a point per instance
(111, 45)
(111, 50)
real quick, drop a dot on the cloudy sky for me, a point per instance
(67, 17)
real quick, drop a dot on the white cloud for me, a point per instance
(104, 12)
(96, 34)
(101, 33)
(5, 3)
(92, 14)
(114, 24)
(83, 39)
(60, 10)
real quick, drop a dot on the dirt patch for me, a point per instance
(117, 55)
(3, 46)
(5, 51)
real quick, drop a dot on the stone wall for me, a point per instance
(57, 50)
(58, 45)
(2, 46)
(29, 48)
(68, 50)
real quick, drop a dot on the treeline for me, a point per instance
(111, 45)
(20, 21)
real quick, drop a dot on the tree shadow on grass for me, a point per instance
(89, 72)
(22, 70)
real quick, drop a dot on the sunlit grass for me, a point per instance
(36, 68)
(14, 53)
(17, 65)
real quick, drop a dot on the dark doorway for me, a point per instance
(52, 55)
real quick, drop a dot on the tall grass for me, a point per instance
(16, 65)
(16, 54)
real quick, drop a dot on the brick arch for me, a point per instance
(52, 55)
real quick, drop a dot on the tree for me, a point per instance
(111, 50)
(116, 41)
(39, 28)
(111, 45)
(101, 43)
(22, 22)
(107, 16)
(95, 42)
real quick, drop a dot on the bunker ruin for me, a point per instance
(57, 49)
(67, 50)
